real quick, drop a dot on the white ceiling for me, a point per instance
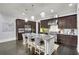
(16, 9)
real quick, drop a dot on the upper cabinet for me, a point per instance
(33, 25)
(44, 24)
(68, 22)
(20, 23)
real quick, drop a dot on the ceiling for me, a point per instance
(26, 10)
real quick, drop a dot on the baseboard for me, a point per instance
(6, 40)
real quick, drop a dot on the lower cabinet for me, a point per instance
(20, 36)
(69, 40)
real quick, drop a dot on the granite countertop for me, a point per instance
(68, 34)
(47, 37)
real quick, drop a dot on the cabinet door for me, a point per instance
(60, 38)
(44, 23)
(71, 21)
(20, 23)
(33, 25)
(68, 22)
(74, 21)
(20, 36)
(67, 40)
(61, 23)
(70, 40)
(74, 41)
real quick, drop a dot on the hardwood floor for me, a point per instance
(66, 50)
(13, 48)
(17, 48)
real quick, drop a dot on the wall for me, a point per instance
(7, 28)
(78, 27)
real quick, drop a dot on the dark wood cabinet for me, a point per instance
(20, 36)
(69, 40)
(44, 24)
(19, 24)
(33, 26)
(69, 22)
(64, 22)
(61, 23)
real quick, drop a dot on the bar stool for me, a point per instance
(24, 39)
(31, 43)
(38, 48)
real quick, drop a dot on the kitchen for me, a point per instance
(51, 32)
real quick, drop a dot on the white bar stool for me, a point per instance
(24, 39)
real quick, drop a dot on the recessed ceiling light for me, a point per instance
(52, 10)
(23, 14)
(42, 14)
(70, 4)
(56, 16)
(32, 17)
(26, 19)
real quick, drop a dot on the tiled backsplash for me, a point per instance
(68, 31)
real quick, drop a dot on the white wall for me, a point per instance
(78, 27)
(7, 35)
